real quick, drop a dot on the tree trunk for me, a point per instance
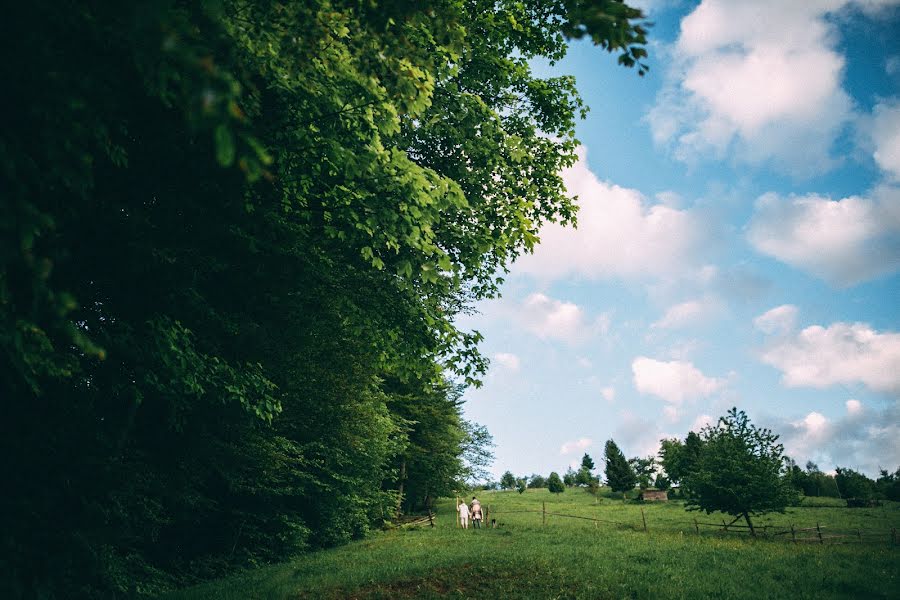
(750, 524)
(400, 487)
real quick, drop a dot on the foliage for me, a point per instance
(555, 484)
(888, 485)
(587, 463)
(508, 481)
(739, 470)
(569, 477)
(520, 485)
(620, 476)
(235, 239)
(644, 469)
(537, 481)
(678, 458)
(854, 485)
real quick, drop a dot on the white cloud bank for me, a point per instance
(673, 381)
(862, 438)
(507, 360)
(757, 79)
(841, 353)
(549, 318)
(619, 234)
(843, 242)
(779, 320)
(575, 446)
(688, 313)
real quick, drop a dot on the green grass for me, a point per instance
(576, 558)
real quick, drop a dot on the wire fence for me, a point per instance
(820, 534)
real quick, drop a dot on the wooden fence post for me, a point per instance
(431, 518)
(696, 526)
(819, 529)
(793, 534)
(543, 514)
(458, 516)
(724, 525)
(644, 519)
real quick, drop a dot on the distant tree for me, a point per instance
(816, 483)
(858, 489)
(569, 477)
(537, 481)
(739, 471)
(555, 484)
(587, 463)
(678, 458)
(887, 486)
(662, 482)
(619, 474)
(644, 469)
(520, 485)
(583, 477)
(508, 481)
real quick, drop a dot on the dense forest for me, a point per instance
(234, 238)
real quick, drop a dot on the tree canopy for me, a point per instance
(235, 238)
(619, 474)
(740, 470)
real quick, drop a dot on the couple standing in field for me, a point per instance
(473, 510)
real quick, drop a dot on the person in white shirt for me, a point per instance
(476, 513)
(463, 510)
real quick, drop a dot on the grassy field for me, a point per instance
(578, 558)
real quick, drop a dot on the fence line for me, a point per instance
(798, 535)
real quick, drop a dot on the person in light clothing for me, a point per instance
(463, 510)
(476, 513)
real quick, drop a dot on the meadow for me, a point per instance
(530, 555)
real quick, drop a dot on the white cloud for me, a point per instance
(608, 393)
(507, 361)
(575, 446)
(687, 313)
(585, 363)
(885, 132)
(843, 242)
(554, 319)
(673, 381)
(619, 234)
(701, 421)
(842, 353)
(779, 320)
(756, 79)
(861, 438)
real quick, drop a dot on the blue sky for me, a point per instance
(738, 245)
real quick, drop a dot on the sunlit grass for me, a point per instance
(576, 558)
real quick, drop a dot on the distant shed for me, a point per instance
(655, 496)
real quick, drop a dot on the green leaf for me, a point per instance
(224, 142)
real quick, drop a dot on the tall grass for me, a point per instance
(576, 558)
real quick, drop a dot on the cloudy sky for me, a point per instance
(738, 245)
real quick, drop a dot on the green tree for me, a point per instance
(619, 475)
(569, 477)
(555, 484)
(858, 489)
(537, 481)
(508, 481)
(678, 458)
(587, 463)
(234, 240)
(740, 471)
(521, 485)
(644, 469)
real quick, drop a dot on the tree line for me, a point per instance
(234, 239)
(731, 466)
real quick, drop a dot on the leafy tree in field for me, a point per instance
(854, 486)
(234, 240)
(644, 469)
(520, 485)
(569, 477)
(555, 484)
(537, 481)
(508, 481)
(587, 463)
(888, 485)
(619, 475)
(678, 458)
(661, 482)
(740, 471)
